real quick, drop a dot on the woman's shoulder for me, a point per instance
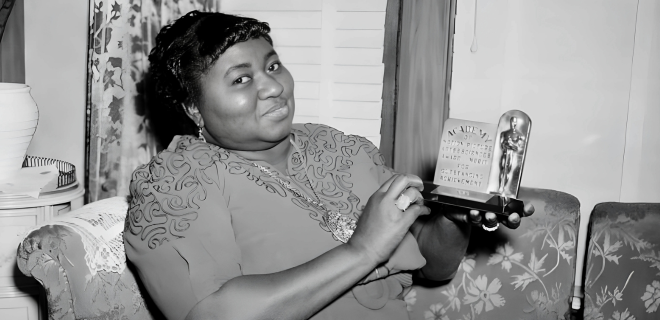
(331, 139)
(184, 159)
(173, 183)
(326, 132)
(184, 151)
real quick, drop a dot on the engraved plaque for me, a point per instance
(466, 155)
(480, 164)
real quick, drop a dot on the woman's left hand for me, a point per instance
(476, 217)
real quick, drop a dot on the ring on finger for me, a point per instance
(491, 229)
(403, 202)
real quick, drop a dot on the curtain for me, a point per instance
(12, 41)
(424, 73)
(119, 135)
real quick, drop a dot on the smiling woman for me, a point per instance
(248, 216)
(247, 98)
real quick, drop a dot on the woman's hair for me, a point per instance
(185, 50)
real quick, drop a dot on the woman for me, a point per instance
(251, 217)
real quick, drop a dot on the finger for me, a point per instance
(408, 197)
(475, 216)
(490, 219)
(416, 182)
(414, 195)
(424, 210)
(528, 210)
(458, 216)
(416, 210)
(386, 186)
(512, 221)
(402, 182)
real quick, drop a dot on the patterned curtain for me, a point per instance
(119, 136)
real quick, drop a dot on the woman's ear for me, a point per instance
(193, 113)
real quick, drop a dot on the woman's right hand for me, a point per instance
(382, 225)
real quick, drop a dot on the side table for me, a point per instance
(21, 298)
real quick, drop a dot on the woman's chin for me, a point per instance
(278, 123)
(278, 132)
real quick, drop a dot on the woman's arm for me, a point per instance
(300, 292)
(296, 293)
(442, 242)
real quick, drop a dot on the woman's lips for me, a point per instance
(278, 111)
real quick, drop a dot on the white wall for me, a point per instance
(55, 69)
(587, 74)
(641, 166)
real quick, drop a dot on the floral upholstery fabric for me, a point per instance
(622, 280)
(55, 255)
(525, 273)
(119, 135)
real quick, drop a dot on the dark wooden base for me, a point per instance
(434, 195)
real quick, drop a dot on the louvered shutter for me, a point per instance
(334, 50)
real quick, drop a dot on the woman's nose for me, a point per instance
(270, 88)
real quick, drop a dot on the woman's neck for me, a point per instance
(277, 156)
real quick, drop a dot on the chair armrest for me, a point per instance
(79, 259)
(40, 256)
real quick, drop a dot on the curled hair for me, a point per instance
(185, 51)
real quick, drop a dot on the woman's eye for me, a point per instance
(275, 66)
(244, 79)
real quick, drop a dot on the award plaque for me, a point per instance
(480, 164)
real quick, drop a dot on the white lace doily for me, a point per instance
(101, 226)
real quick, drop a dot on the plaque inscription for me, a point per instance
(466, 155)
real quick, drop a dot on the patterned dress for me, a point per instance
(201, 215)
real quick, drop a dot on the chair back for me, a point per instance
(622, 279)
(525, 273)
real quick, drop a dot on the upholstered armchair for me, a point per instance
(622, 279)
(79, 259)
(509, 274)
(525, 273)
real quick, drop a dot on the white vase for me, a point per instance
(18, 122)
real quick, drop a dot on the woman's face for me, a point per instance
(247, 98)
